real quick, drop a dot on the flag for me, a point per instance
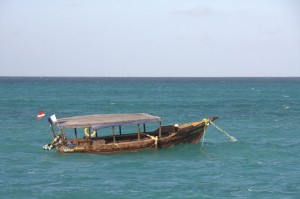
(52, 119)
(40, 115)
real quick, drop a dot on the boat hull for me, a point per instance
(171, 135)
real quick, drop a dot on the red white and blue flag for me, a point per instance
(40, 115)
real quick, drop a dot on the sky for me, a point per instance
(150, 38)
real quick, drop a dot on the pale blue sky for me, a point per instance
(204, 38)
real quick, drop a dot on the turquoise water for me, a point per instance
(262, 113)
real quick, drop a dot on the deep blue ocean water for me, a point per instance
(262, 113)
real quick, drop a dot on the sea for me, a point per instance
(263, 114)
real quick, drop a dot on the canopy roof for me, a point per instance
(105, 120)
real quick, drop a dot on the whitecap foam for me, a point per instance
(286, 107)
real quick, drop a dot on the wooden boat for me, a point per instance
(94, 142)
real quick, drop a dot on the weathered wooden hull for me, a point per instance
(170, 135)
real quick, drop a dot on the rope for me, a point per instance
(206, 123)
(233, 139)
(206, 154)
(155, 138)
(118, 145)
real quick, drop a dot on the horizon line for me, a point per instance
(35, 76)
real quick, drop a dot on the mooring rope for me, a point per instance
(233, 139)
(208, 156)
(206, 123)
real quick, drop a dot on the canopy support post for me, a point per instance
(113, 133)
(75, 132)
(159, 131)
(144, 125)
(139, 133)
(120, 130)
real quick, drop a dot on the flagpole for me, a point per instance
(53, 134)
(51, 125)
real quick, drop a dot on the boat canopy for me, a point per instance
(105, 120)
